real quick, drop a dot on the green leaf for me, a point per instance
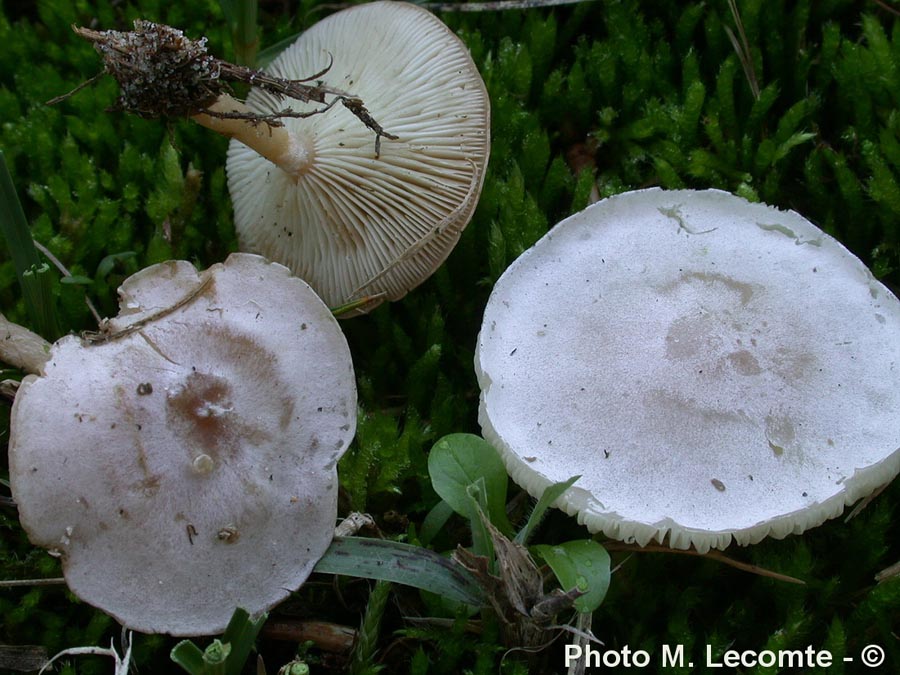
(401, 563)
(583, 185)
(581, 564)
(225, 656)
(550, 495)
(241, 16)
(109, 262)
(482, 543)
(496, 251)
(514, 66)
(459, 460)
(163, 203)
(215, 657)
(689, 119)
(34, 276)
(267, 55)
(76, 280)
(240, 636)
(293, 668)
(434, 522)
(793, 141)
(761, 106)
(188, 655)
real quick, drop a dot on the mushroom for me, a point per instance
(183, 461)
(353, 219)
(714, 370)
(21, 347)
(313, 186)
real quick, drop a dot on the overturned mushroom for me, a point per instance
(353, 219)
(714, 370)
(183, 462)
(313, 185)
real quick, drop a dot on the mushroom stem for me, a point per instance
(21, 348)
(276, 144)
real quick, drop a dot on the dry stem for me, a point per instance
(713, 555)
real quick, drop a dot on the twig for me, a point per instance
(886, 7)
(16, 583)
(122, 664)
(66, 273)
(743, 48)
(712, 555)
(330, 637)
(499, 6)
(864, 503)
(83, 85)
(105, 335)
(581, 630)
(473, 626)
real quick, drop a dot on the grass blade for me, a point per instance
(550, 495)
(188, 655)
(401, 563)
(241, 16)
(241, 634)
(34, 276)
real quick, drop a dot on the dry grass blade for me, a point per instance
(501, 5)
(579, 666)
(122, 663)
(864, 503)
(742, 47)
(886, 7)
(16, 583)
(712, 555)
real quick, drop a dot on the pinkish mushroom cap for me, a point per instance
(183, 464)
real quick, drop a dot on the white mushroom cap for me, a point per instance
(186, 466)
(714, 370)
(349, 222)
